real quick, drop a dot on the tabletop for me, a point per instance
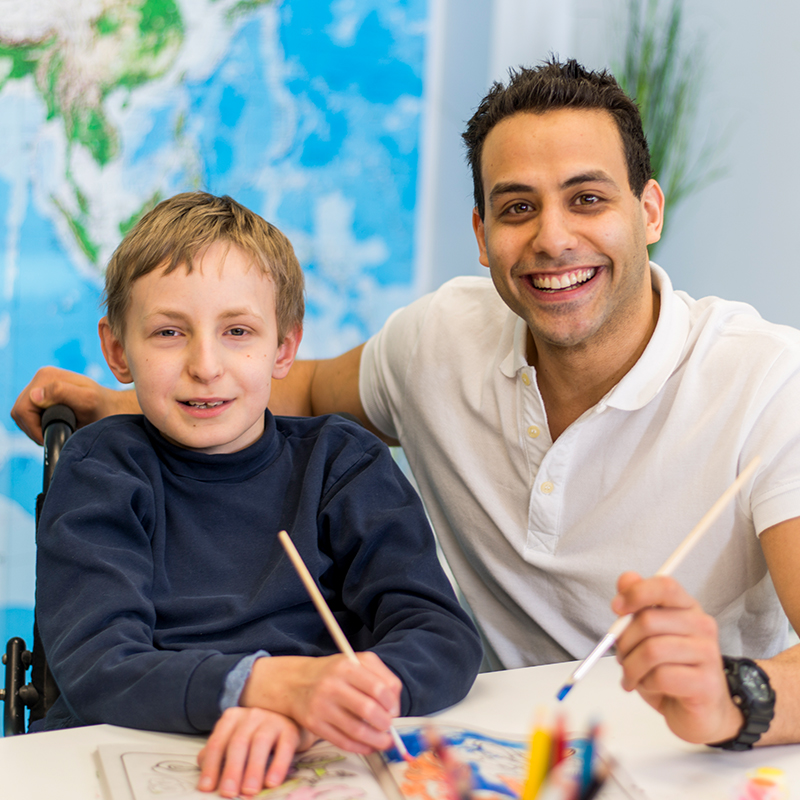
(63, 763)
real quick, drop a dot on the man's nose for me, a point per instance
(554, 233)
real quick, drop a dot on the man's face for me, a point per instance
(563, 235)
(202, 348)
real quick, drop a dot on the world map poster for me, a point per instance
(306, 111)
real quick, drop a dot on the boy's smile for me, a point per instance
(202, 349)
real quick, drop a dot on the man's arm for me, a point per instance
(51, 386)
(670, 652)
(311, 388)
(325, 386)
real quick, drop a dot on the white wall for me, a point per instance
(734, 238)
(473, 43)
(738, 237)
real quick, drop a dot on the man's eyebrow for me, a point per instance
(517, 187)
(597, 176)
(510, 187)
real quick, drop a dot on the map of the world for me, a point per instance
(307, 111)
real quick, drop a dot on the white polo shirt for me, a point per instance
(537, 532)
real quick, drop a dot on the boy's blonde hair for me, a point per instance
(177, 230)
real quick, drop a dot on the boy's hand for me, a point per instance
(240, 746)
(351, 705)
(87, 399)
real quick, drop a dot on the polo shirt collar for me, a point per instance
(648, 375)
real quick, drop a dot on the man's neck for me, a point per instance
(573, 379)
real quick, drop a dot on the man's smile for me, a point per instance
(568, 280)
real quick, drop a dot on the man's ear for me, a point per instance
(480, 236)
(653, 208)
(287, 352)
(114, 352)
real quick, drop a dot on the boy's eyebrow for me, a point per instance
(238, 312)
(228, 313)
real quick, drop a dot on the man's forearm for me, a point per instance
(291, 396)
(784, 676)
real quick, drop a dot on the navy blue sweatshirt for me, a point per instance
(159, 569)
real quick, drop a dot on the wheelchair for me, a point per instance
(58, 424)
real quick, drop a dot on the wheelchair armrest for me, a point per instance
(17, 659)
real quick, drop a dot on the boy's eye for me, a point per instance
(237, 331)
(167, 332)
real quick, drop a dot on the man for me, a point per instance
(579, 418)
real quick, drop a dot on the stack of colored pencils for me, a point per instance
(562, 770)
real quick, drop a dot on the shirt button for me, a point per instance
(547, 487)
(533, 431)
(525, 379)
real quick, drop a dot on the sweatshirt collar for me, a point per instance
(219, 467)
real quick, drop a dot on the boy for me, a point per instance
(163, 595)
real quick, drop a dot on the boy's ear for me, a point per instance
(114, 352)
(287, 352)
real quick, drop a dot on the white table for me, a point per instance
(62, 765)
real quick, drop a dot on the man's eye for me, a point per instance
(588, 199)
(519, 208)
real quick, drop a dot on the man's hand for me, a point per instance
(670, 655)
(87, 399)
(240, 747)
(351, 705)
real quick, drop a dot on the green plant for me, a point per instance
(663, 73)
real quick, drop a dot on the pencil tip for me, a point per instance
(564, 691)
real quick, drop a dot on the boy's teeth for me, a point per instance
(195, 404)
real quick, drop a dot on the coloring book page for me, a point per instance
(324, 772)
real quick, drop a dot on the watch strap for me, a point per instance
(757, 712)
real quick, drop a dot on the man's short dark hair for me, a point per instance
(549, 87)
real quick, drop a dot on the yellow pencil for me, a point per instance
(538, 762)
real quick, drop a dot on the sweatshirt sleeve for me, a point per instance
(384, 552)
(93, 606)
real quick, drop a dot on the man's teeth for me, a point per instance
(566, 281)
(195, 404)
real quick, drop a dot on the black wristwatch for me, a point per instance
(751, 691)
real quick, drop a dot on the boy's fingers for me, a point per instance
(248, 763)
(211, 756)
(387, 688)
(350, 732)
(282, 755)
(347, 702)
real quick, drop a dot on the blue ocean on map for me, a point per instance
(308, 112)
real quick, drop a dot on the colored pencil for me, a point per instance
(330, 621)
(681, 551)
(538, 761)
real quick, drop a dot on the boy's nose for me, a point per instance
(204, 362)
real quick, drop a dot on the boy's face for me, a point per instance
(202, 349)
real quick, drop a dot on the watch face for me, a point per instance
(754, 683)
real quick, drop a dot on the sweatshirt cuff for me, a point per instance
(236, 679)
(205, 689)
